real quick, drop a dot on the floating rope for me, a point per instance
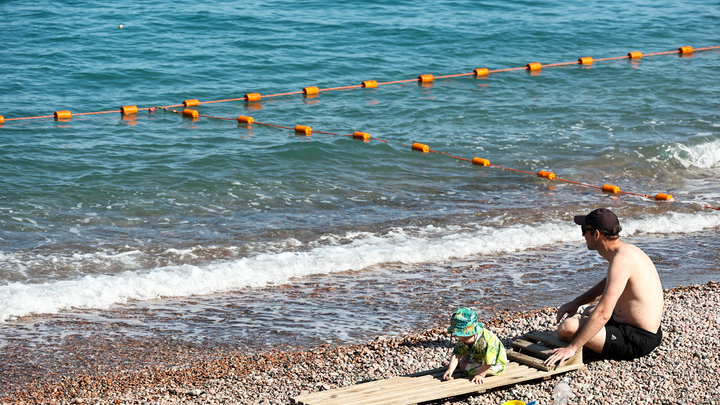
(65, 115)
(420, 147)
(424, 78)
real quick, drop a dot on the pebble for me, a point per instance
(683, 370)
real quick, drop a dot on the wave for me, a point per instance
(431, 244)
(704, 156)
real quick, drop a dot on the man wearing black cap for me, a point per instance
(625, 323)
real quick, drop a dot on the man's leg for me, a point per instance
(570, 327)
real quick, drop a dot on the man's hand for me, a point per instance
(588, 311)
(560, 354)
(478, 379)
(448, 375)
(569, 308)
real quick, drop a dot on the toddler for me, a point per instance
(479, 352)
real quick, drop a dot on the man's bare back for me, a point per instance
(625, 323)
(641, 303)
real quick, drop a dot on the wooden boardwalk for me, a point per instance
(525, 365)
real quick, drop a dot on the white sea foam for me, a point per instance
(364, 250)
(704, 155)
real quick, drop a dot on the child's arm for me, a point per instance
(454, 360)
(478, 379)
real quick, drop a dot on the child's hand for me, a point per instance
(478, 379)
(448, 375)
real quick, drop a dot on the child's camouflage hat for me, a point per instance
(465, 322)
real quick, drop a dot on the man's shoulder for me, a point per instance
(627, 248)
(632, 263)
(627, 253)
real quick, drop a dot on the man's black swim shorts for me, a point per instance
(627, 342)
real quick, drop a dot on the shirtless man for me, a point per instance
(625, 323)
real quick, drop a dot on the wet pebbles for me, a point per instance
(684, 370)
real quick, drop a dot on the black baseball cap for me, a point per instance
(601, 219)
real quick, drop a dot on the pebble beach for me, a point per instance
(239, 203)
(683, 370)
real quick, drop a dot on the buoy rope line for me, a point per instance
(425, 78)
(314, 90)
(365, 137)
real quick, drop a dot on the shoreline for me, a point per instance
(681, 370)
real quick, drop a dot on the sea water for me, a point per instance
(158, 225)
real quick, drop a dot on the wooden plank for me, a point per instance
(543, 352)
(539, 351)
(424, 388)
(396, 390)
(428, 385)
(360, 389)
(528, 360)
(372, 396)
(438, 389)
(468, 388)
(303, 399)
(435, 371)
(551, 340)
(380, 387)
(372, 386)
(395, 397)
(457, 387)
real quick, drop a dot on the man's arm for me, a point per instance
(615, 282)
(587, 297)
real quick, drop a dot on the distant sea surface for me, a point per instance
(159, 226)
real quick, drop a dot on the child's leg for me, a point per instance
(472, 368)
(495, 369)
(463, 362)
(499, 366)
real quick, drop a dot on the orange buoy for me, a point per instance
(2, 119)
(610, 189)
(425, 78)
(363, 136)
(62, 115)
(546, 175)
(311, 90)
(481, 162)
(252, 97)
(370, 84)
(684, 50)
(663, 197)
(420, 147)
(246, 120)
(190, 103)
(481, 71)
(534, 66)
(635, 55)
(129, 109)
(303, 129)
(585, 60)
(190, 113)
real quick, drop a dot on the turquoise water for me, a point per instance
(106, 217)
